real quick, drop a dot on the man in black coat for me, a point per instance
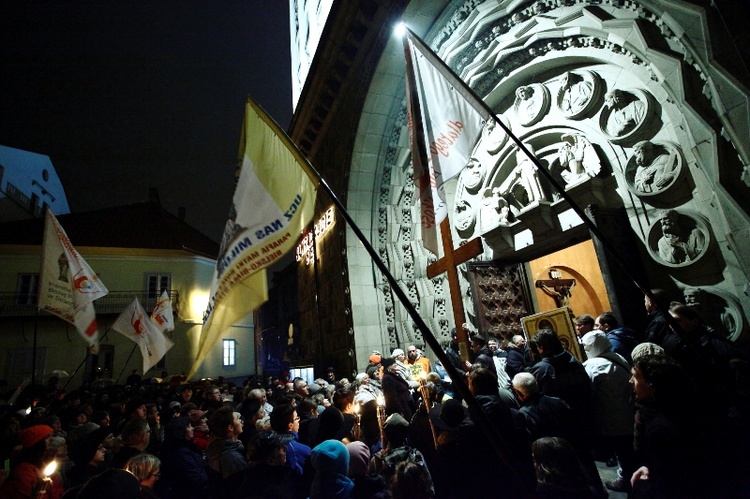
(396, 391)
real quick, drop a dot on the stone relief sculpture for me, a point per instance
(472, 175)
(495, 209)
(531, 104)
(493, 137)
(678, 239)
(525, 186)
(628, 116)
(721, 312)
(465, 216)
(578, 93)
(653, 168)
(577, 159)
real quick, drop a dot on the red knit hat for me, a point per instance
(34, 434)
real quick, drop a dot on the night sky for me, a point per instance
(129, 95)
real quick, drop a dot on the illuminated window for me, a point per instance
(230, 353)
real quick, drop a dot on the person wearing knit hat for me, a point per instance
(330, 459)
(646, 348)
(90, 457)
(365, 485)
(375, 359)
(26, 478)
(33, 435)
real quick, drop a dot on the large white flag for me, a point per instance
(135, 324)
(162, 314)
(445, 121)
(272, 204)
(67, 285)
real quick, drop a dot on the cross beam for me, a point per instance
(452, 258)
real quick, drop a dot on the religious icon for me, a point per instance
(560, 320)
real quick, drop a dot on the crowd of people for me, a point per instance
(668, 409)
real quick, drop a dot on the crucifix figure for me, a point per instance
(452, 258)
(559, 289)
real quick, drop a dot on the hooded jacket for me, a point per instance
(610, 375)
(331, 462)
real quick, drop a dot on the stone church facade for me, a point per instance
(638, 109)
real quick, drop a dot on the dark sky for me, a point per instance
(134, 94)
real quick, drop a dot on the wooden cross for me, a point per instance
(452, 258)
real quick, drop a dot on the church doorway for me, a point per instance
(505, 293)
(570, 277)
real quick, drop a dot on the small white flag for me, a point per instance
(67, 285)
(162, 314)
(134, 323)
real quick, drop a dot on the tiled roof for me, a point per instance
(142, 225)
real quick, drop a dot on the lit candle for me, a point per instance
(359, 421)
(47, 472)
(381, 418)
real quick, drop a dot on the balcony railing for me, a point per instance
(22, 305)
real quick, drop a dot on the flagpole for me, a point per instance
(317, 298)
(135, 345)
(482, 419)
(609, 248)
(70, 378)
(33, 360)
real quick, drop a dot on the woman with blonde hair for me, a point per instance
(147, 469)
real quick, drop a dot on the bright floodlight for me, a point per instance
(400, 30)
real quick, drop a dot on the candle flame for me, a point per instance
(356, 408)
(50, 468)
(381, 399)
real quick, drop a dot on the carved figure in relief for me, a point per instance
(679, 244)
(529, 104)
(495, 209)
(465, 216)
(656, 167)
(473, 174)
(713, 309)
(493, 136)
(527, 189)
(576, 93)
(626, 112)
(578, 160)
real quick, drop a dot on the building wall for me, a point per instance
(28, 182)
(121, 271)
(694, 109)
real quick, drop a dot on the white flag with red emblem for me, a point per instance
(445, 122)
(135, 324)
(162, 314)
(67, 285)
